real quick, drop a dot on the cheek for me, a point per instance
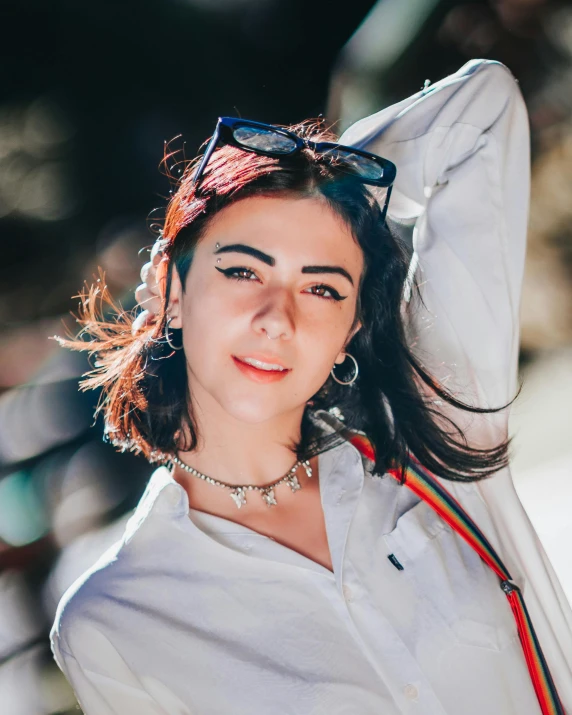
(320, 340)
(212, 325)
(204, 331)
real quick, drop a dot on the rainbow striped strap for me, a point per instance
(426, 486)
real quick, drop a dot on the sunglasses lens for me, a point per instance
(356, 164)
(265, 140)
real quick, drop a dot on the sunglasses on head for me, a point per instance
(271, 140)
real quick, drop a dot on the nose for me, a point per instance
(275, 318)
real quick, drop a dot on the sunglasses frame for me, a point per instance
(224, 134)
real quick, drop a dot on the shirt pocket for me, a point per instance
(450, 583)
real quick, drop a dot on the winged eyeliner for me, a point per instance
(265, 258)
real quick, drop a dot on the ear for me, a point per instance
(174, 306)
(342, 355)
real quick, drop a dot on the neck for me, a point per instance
(236, 452)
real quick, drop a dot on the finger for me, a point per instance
(147, 300)
(141, 321)
(157, 257)
(149, 277)
(145, 268)
(158, 250)
(142, 294)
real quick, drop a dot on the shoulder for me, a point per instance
(107, 596)
(83, 604)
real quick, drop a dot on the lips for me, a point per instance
(261, 368)
(263, 365)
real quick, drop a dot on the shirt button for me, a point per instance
(348, 595)
(410, 692)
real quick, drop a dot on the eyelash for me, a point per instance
(232, 272)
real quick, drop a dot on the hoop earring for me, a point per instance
(354, 378)
(168, 339)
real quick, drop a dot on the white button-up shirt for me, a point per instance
(193, 614)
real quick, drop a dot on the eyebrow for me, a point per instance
(328, 269)
(270, 261)
(249, 250)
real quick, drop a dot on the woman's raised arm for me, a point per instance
(461, 147)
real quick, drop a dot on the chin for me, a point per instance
(255, 409)
(249, 411)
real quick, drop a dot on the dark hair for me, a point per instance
(145, 398)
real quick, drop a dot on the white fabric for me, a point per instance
(201, 615)
(462, 151)
(193, 614)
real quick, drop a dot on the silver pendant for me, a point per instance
(294, 483)
(268, 496)
(238, 496)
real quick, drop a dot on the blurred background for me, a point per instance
(88, 95)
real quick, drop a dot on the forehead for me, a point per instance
(306, 229)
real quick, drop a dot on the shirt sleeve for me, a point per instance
(461, 148)
(101, 680)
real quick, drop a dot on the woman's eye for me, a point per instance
(325, 291)
(241, 273)
(238, 273)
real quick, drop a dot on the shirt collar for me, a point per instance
(342, 470)
(163, 495)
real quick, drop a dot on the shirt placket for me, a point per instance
(341, 488)
(386, 651)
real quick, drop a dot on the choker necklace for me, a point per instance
(238, 493)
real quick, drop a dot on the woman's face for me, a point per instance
(268, 306)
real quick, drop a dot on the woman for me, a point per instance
(334, 589)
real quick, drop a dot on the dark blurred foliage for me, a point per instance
(88, 95)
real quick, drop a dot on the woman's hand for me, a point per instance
(149, 293)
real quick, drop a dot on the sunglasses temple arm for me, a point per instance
(207, 155)
(387, 197)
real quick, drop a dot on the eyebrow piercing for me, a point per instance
(217, 246)
(218, 260)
